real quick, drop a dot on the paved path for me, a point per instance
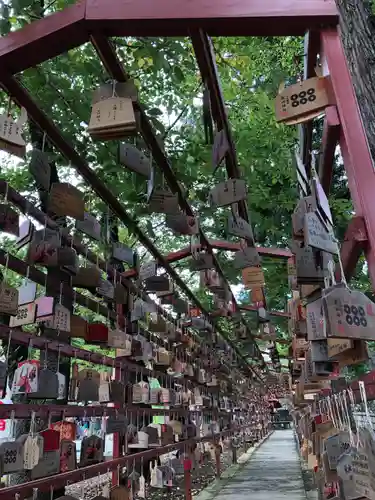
(272, 473)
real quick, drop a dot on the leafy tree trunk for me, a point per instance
(357, 24)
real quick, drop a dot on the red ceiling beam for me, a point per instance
(217, 17)
(281, 314)
(277, 253)
(48, 37)
(330, 139)
(44, 39)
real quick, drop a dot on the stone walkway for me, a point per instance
(272, 473)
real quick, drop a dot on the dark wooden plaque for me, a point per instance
(317, 236)
(351, 314)
(228, 192)
(134, 159)
(220, 149)
(248, 257)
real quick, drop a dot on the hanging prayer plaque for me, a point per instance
(112, 118)
(202, 261)
(48, 465)
(8, 299)
(228, 192)
(322, 200)
(11, 139)
(78, 326)
(350, 314)
(68, 455)
(121, 294)
(89, 226)
(164, 202)
(220, 148)
(317, 236)
(11, 455)
(9, 220)
(336, 347)
(26, 292)
(240, 228)
(134, 159)
(40, 169)
(45, 306)
(253, 276)
(319, 351)
(182, 224)
(25, 315)
(87, 277)
(302, 101)
(248, 257)
(123, 253)
(61, 319)
(66, 200)
(147, 270)
(106, 289)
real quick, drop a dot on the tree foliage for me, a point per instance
(164, 69)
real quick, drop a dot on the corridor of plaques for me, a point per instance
(272, 473)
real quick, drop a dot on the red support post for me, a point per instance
(354, 147)
(187, 479)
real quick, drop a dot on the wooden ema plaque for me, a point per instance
(253, 276)
(9, 220)
(40, 169)
(302, 102)
(317, 236)
(220, 149)
(134, 160)
(228, 192)
(11, 139)
(347, 352)
(112, 118)
(350, 314)
(66, 200)
(338, 346)
(257, 295)
(182, 224)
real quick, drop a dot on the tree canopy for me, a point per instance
(170, 88)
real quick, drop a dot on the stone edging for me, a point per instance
(213, 488)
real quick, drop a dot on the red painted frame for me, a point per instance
(54, 34)
(354, 147)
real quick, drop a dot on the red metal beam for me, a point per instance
(277, 253)
(48, 37)
(217, 17)
(272, 252)
(281, 314)
(331, 136)
(357, 157)
(44, 39)
(355, 242)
